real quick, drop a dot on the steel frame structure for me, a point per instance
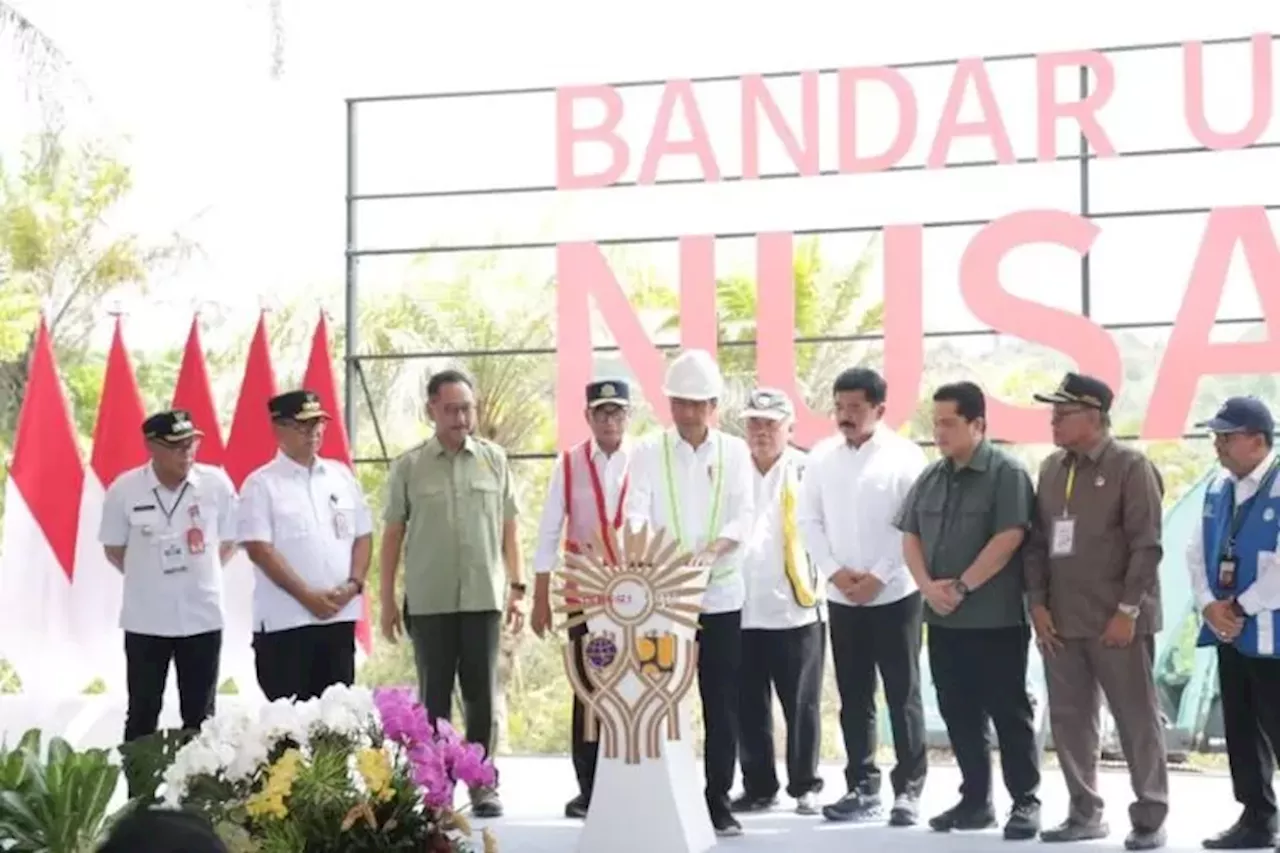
(357, 387)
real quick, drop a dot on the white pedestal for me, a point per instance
(655, 806)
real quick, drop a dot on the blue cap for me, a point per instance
(1241, 414)
(608, 392)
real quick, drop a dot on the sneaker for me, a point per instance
(1070, 830)
(807, 804)
(747, 804)
(854, 807)
(577, 807)
(1024, 820)
(965, 818)
(725, 824)
(905, 811)
(485, 803)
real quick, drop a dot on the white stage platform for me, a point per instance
(535, 789)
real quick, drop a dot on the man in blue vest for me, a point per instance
(1235, 576)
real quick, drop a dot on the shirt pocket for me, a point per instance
(292, 524)
(342, 517)
(931, 514)
(486, 496)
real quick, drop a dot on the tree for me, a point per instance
(57, 252)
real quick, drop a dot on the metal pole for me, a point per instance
(1086, 285)
(352, 340)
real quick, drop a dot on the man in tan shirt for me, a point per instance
(1091, 566)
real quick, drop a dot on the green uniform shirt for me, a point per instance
(453, 506)
(956, 512)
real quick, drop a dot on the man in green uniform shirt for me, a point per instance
(451, 511)
(963, 526)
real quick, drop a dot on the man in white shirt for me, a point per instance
(306, 526)
(1231, 560)
(853, 486)
(169, 527)
(695, 482)
(585, 496)
(782, 620)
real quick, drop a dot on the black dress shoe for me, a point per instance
(748, 803)
(577, 807)
(1243, 836)
(725, 824)
(964, 817)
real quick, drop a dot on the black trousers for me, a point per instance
(884, 638)
(303, 662)
(981, 674)
(147, 660)
(719, 674)
(585, 753)
(1251, 721)
(789, 661)
(461, 648)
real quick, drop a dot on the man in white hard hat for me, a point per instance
(695, 482)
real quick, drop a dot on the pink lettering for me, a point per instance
(569, 135)
(1190, 354)
(991, 124)
(1049, 110)
(1194, 106)
(755, 97)
(678, 93)
(908, 119)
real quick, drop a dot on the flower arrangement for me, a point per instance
(351, 772)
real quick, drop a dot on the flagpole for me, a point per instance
(349, 364)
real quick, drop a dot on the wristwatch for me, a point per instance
(1237, 609)
(1132, 611)
(519, 588)
(961, 588)
(357, 583)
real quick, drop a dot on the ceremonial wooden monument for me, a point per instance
(639, 601)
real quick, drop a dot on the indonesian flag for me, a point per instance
(253, 442)
(320, 379)
(38, 632)
(194, 393)
(118, 446)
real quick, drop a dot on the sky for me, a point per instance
(253, 169)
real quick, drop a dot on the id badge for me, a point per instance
(173, 556)
(341, 527)
(1227, 574)
(1063, 543)
(195, 541)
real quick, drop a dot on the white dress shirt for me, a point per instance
(848, 499)
(169, 591)
(770, 601)
(312, 517)
(612, 469)
(1264, 593)
(694, 476)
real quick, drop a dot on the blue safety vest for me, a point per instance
(1256, 525)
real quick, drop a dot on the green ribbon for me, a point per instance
(673, 501)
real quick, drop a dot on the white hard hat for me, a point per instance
(694, 375)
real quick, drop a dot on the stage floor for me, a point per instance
(536, 788)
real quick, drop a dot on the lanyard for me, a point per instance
(602, 511)
(1071, 487)
(168, 513)
(673, 499)
(1241, 512)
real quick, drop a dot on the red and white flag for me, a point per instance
(118, 446)
(252, 443)
(38, 634)
(320, 379)
(194, 393)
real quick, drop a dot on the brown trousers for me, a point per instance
(1077, 676)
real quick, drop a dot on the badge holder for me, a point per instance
(1063, 543)
(195, 536)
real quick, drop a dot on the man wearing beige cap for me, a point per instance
(783, 634)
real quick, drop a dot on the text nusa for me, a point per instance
(584, 277)
(802, 144)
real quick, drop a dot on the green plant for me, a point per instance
(54, 802)
(145, 760)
